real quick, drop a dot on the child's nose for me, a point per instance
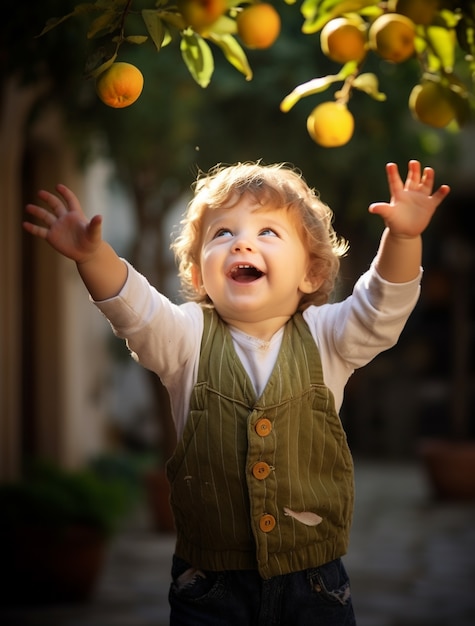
(242, 244)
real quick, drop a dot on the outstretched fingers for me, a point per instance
(35, 229)
(41, 214)
(417, 179)
(413, 202)
(54, 204)
(61, 221)
(46, 217)
(395, 183)
(413, 178)
(441, 193)
(70, 198)
(94, 229)
(427, 180)
(425, 183)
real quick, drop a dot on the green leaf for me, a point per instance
(420, 44)
(432, 62)
(167, 38)
(154, 26)
(174, 19)
(309, 8)
(102, 67)
(233, 52)
(328, 10)
(441, 43)
(198, 57)
(449, 18)
(53, 22)
(370, 85)
(224, 25)
(316, 85)
(137, 39)
(105, 23)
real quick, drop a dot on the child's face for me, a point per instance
(253, 263)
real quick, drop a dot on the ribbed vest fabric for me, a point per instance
(250, 476)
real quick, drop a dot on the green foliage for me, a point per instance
(176, 127)
(55, 498)
(317, 13)
(348, 74)
(115, 23)
(445, 51)
(445, 46)
(197, 56)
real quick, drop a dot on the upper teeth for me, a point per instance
(242, 267)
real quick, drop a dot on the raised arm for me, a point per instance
(406, 216)
(65, 227)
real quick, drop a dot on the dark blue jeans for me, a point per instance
(315, 597)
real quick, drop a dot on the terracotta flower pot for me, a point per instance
(450, 467)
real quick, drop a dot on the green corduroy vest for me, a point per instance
(261, 483)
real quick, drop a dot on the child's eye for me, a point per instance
(222, 232)
(268, 232)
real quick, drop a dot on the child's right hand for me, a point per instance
(64, 225)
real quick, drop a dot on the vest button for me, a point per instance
(267, 523)
(260, 470)
(263, 427)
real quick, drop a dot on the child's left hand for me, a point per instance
(411, 206)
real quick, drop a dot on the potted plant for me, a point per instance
(54, 530)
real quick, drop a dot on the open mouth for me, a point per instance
(245, 273)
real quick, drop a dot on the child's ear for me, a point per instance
(196, 279)
(310, 283)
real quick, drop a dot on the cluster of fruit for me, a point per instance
(430, 31)
(399, 32)
(257, 25)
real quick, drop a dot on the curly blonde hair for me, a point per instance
(275, 186)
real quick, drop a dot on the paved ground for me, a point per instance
(411, 562)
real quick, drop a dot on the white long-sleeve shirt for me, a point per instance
(166, 338)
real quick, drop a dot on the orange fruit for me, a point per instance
(258, 26)
(433, 104)
(331, 124)
(120, 85)
(200, 14)
(419, 11)
(392, 37)
(343, 40)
